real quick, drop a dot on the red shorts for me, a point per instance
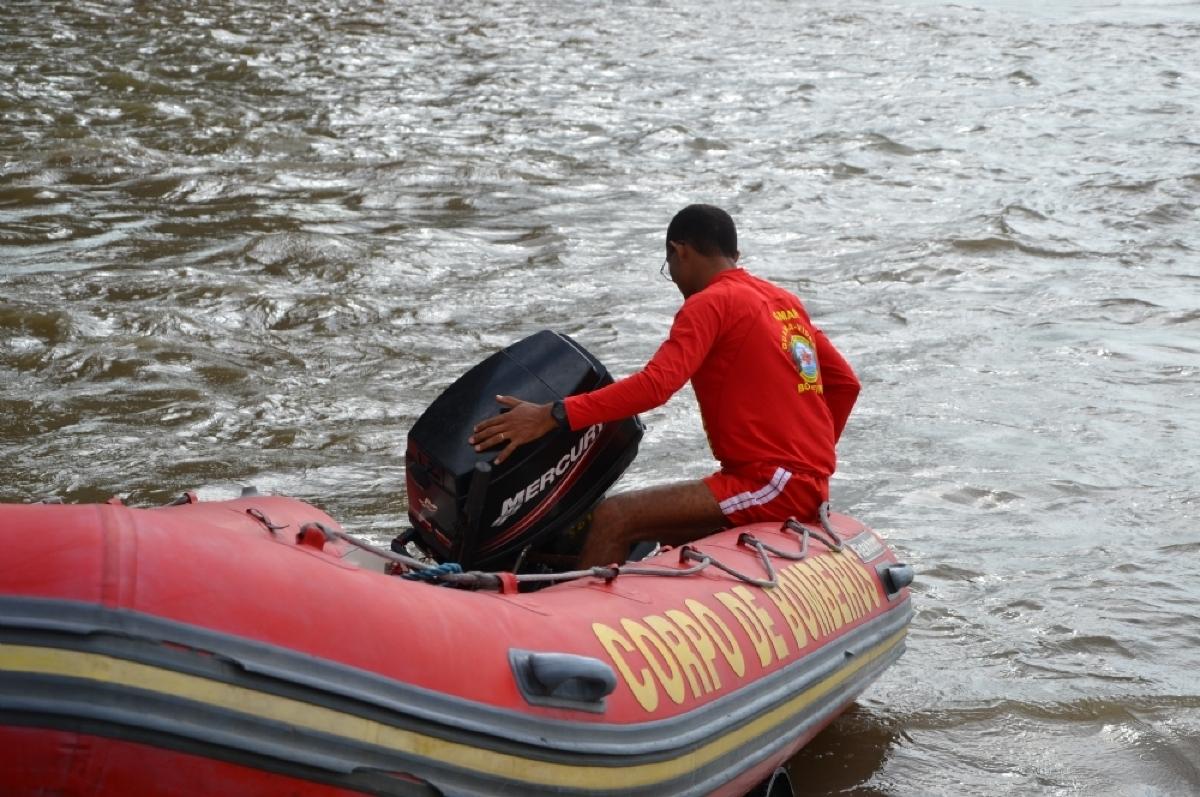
(758, 493)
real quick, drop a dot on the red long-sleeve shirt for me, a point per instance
(771, 387)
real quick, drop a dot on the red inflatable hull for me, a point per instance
(208, 648)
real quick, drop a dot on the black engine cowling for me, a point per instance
(467, 510)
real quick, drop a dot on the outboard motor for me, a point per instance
(465, 509)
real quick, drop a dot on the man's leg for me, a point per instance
(671, 513)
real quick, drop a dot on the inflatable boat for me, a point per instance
(253, 646)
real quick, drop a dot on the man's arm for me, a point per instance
(692, 335)
(840, 385)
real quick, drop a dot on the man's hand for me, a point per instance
(523, 423)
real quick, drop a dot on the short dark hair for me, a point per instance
(706, 228)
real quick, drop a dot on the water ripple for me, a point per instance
(250, 243)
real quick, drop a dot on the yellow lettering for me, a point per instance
(701, 641)
(793, 586)
(721, 634)
(791, 614)
(850, 587)
(697, 676)
(834, 585)
(644, 690)
(812, 584)
(766, 621)
(664, 666)
(868, 589)
(741, 612)
(827, 593)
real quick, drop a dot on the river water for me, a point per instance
(250, 242)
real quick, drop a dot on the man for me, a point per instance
(774, 395)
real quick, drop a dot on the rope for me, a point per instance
(407, 561)
(609, 573)
(823, 516)
(832, 542)
(261, 517)
(451, 573)
(770, 581)
(433, 574)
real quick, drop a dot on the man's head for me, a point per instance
(701, 242)
(706, 228)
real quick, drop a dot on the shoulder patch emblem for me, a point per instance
(805, 357)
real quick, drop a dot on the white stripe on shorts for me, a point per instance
(762, 495)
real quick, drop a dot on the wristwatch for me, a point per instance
(558, 411)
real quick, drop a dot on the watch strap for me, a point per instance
(558, 411)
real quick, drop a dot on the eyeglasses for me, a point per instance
(664, 269)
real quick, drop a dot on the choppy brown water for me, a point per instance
(248, 243)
